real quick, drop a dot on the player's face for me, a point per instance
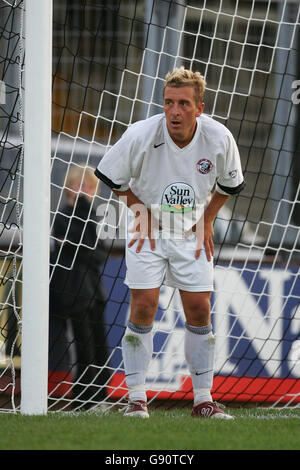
(181, 111)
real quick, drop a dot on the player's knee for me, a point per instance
(198, 313)
(143, 310)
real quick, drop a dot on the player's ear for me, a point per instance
(200, 109)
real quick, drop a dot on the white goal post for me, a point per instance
(36, 227)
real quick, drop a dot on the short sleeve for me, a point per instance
(115, 166)
(230, 179)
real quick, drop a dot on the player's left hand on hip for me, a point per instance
(142, 228)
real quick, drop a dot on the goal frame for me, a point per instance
(36, 229)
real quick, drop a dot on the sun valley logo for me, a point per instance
(178, 197)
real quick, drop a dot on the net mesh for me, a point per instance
(11, 156)
(110, 59)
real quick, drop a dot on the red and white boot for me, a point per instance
(209, 409)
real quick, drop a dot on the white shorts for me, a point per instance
(173, 263)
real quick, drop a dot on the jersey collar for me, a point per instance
(171, 142)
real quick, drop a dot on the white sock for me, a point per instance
(199, 354)
(137, 348)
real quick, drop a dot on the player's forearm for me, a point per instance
(216, 203)
(128, 197)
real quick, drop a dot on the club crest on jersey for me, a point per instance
(204, 166)
(178, 197)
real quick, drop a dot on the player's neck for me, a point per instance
(183, 141)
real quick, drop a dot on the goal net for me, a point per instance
(110, 59)
(11, 157)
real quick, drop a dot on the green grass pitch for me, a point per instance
(252, 429)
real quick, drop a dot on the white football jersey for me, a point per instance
(168, 179)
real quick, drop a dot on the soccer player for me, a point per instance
(165, 169)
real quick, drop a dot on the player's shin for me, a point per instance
(137, 347)
(199, 353)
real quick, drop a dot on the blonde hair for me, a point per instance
(78, 174)
(181, 77)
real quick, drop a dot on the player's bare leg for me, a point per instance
(143, 305)
(199, 352)
(137, 346)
